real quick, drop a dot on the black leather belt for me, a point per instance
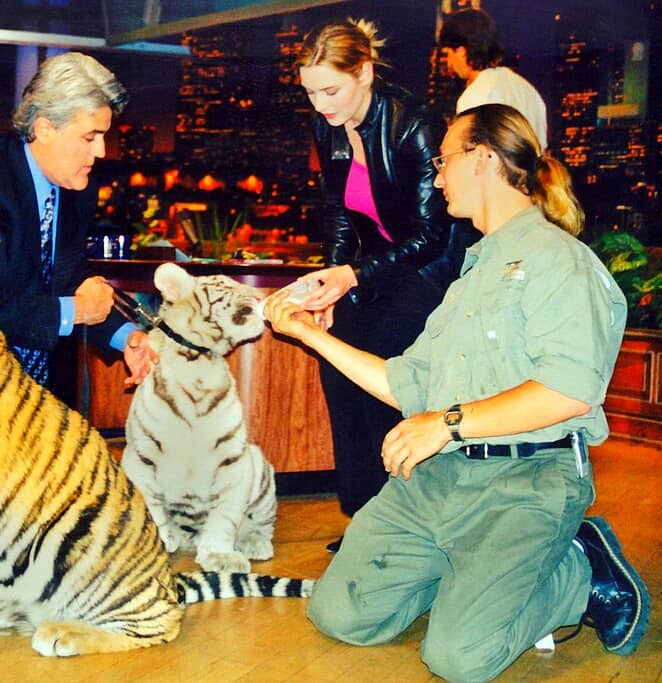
(482, 451)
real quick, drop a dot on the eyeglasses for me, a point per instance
(441, 161)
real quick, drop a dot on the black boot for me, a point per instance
(619, 604)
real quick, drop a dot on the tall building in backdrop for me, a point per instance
(574, 109)
(655, 91)
(607, 119)
(239, 112)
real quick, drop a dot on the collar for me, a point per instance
(182, 341)
(507, 237)
(42, 184)
(135, 312)
(373, 109)
(340, 148)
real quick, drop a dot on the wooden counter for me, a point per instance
(634, 397)
(278, 380)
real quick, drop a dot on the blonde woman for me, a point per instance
(383, 224)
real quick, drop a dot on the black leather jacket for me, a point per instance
(400, 136)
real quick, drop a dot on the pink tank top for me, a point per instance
(358, 195)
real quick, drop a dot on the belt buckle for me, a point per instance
(476, 451)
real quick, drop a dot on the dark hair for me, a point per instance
(545, 179)
(477, 32)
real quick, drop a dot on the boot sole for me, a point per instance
(640, 622)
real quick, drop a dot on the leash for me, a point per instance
(135, 312)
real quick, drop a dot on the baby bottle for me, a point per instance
(297, 292)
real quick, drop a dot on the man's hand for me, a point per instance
(139, 357)
(288, 318)
(92, 301)
(412, 441)
(363, 368)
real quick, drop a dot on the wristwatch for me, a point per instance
(452, 418)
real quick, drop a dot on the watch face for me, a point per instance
(453, 416)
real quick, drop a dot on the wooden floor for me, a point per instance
(270, 640)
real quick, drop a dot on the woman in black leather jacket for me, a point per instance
(384, 223)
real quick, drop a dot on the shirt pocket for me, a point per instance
(503, 327)
(501, 315)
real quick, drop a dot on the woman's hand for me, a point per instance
(324, 319)
(336, 282)
(412, 441)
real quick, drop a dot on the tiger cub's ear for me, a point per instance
(173, 282)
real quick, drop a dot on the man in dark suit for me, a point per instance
(46, 207)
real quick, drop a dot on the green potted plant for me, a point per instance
(637, 273)
(212, 231)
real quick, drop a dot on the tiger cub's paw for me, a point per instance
(171, 545)
(257, 547)
(215, 561)
(167, 537)
(64, 639)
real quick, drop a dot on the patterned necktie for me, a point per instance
(35, 361)
(46, 229)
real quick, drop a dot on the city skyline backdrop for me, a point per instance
(527, 30)
(236, 107)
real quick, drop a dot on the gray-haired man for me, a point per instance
(47, 204)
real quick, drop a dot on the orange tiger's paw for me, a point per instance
(64, 639)
(56, 640)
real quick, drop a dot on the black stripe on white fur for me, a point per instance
(200, 586)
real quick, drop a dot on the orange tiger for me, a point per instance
(81, 562)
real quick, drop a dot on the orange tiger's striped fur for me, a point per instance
(81, 561)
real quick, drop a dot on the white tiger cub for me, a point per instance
(187, 449)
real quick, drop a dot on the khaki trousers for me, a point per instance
(485, 546)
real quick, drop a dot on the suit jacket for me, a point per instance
(29, 310)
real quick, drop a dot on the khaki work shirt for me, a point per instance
(532, 303)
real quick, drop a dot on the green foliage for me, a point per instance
(142, 237)
(637, 274)
(211, 229)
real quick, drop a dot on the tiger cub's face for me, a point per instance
(213, 311)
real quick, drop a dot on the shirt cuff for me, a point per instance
(67, 312)
(120, 337)
(403, 386)
(573, 379)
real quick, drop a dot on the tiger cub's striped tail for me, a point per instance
(199, 586)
